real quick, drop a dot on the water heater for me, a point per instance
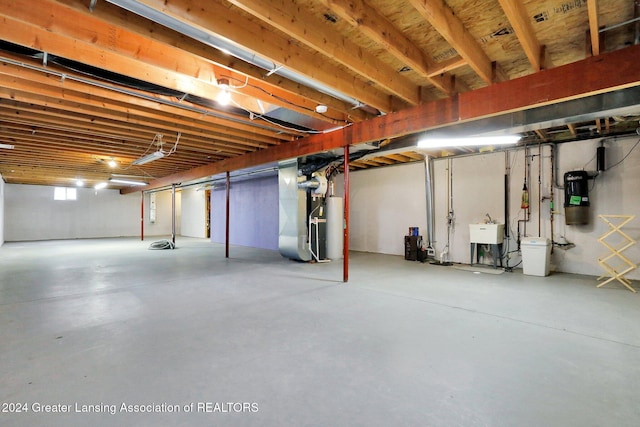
(576, 197)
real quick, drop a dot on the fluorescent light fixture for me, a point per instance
(468, 142)
(7, 146)
(126, 181)
(148, 158)
(100, 185)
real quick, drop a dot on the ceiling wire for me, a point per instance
(279, 98)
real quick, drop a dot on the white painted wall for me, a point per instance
(386, 201)
(1, 210)
(162, 225)
(614, 192)
(193, 213)
(32, 214)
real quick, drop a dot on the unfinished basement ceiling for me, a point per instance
(84, 82)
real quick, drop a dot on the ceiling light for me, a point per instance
(79, 183)
(100, 185)
(321, 108)
(224, 96)
(112, 163)
(7, 146)
(148, 158)
(468, 142)
(126, 181)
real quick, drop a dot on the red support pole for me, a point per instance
(142, 215)
(226, 241)
(345, 246)
(173, 214)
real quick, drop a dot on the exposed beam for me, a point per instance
(444, 20)
(375, 26)
(101, 44)
(606, 73)
(447, 65)
(122, 120)
(542, 134)
(294, 21)
(223, 21)
(96, 99)
(521, 23)
(274, 83)
(85, 46)
(594, 26)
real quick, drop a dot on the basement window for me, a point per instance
(63, 193)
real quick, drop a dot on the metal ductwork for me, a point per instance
(226, 45)
(292, 237)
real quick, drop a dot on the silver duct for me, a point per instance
(292, 238)
(226, 45)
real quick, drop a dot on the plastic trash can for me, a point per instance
(536, 255)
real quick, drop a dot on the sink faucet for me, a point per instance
(490, 220)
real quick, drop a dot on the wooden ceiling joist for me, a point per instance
(594, 27)
(96, 43)
(521, 23)
(375, 26)
(444, 20)
(224, 21)
(282, 15)
(611, 71)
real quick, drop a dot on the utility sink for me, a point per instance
(490, 234)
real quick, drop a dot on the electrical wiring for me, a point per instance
(157, 140)
(279, 98)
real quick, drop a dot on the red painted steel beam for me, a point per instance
(605, 73)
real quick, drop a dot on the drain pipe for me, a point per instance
(428, 175)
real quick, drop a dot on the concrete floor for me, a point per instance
(258, 340)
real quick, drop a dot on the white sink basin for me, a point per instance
(492, 234)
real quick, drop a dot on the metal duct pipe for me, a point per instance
(225, 45)
(428, 176)
(293, 237)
